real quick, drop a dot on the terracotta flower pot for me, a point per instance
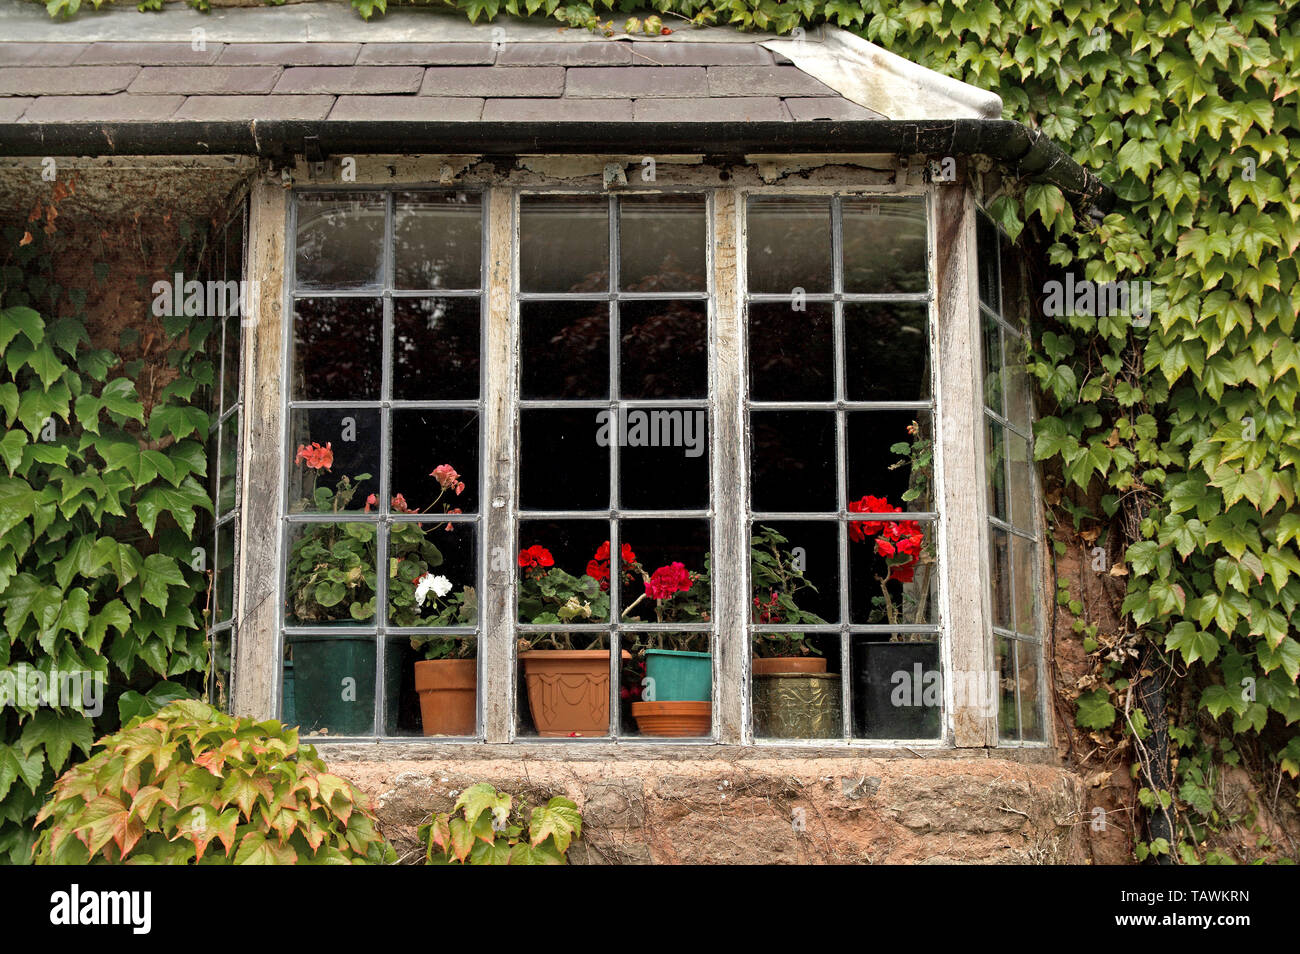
(568, 691)
(447, 689)
(673, 719)
(785, 664)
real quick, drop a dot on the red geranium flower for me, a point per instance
(859, 530)
(315, 456)
(667, 580)
(536, 556)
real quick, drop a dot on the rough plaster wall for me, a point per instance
(856, 811)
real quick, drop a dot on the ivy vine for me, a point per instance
(101, 496)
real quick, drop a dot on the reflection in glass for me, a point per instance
(992, 363)
(564, 459)
(662, 349)
(1005, 665)
(1000, 577)
(1027, 659)
(563, 243)
(564, 352)
(437, 240)
(1026, 573)
(1021, 486)
(793, 456)
(661, 243)
(884, 245)
(887, 351)
(340, 241)
(789, 243)
(436, 349)
(337, 349)
(664, 459)
(791, 353)
(229, 465)
(995, 468)
(986, 245)
(223, 589)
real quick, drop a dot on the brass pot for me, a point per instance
(798, 706)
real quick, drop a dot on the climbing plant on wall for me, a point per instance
(101, 491)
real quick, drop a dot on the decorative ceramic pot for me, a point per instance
(568, 691)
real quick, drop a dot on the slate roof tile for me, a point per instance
(119, 107)
(213, 80)
(636, 82)
(350, 79)
(65, 80)
(290, 54)
(494, 81)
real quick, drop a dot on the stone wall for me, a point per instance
(718, 811)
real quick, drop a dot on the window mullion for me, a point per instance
(964, 588)
(497, 659)
(730, 474)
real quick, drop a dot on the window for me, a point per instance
(224, 264)
(845, 625)
(628, 465)
(613, 477)
(383, 488)
(1013, 533)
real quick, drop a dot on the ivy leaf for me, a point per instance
(1095, 710)
(11, 449)
(180, 502)
(1285, 654)
(20, 319)
(559, 819)
(118, 397)
(114, 614)
(1193, 643)
(15, 765)
(158, 574)
(58, 732)
(180, 421)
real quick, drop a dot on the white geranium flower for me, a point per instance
(440, 585)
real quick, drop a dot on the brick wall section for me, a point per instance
(592, 81)
(854, 811)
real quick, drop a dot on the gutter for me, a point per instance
(1028, 152)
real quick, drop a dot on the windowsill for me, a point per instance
(568, 750)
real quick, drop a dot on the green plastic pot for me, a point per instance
(334, 684)
(679, 676)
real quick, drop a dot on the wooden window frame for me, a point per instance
(963, 597)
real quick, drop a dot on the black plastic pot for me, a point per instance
(897, 693)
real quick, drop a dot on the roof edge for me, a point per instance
(1030, 152)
